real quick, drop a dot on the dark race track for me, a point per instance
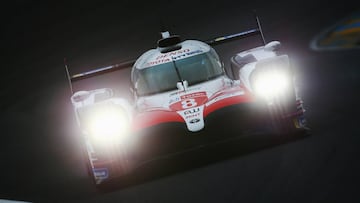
(40, 158)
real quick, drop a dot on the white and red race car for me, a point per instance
(182, 86)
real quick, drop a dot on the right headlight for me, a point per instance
(272, 77)
(271, 83)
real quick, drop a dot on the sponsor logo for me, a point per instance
(175, 55)
(191, 111)
(186, 54)
(193, 95)
(160, 61)
(302, 121)
(195, 120)
(101, 173)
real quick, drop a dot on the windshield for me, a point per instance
(163, 77)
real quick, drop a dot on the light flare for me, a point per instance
(271, 84)
(108, 125)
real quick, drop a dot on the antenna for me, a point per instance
(165, 34)
(68, 76)
(163, 29)
(259, 27)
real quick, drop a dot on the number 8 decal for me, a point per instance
(188, 103)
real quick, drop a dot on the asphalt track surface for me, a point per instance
(39, 153)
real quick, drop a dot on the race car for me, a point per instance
(180, 87)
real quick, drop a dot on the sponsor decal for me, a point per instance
(101, 173)
(302, 121)
(157, 62)
(193, 95)
(175, 55)
(195, 112)
(342, 35)
(191, 111)
(195, 120)
(299, 121)
(186, 54)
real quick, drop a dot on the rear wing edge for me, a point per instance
(236, 36)
(127, 64)
(240, 35)
(102, 70)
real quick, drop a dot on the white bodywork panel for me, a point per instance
(83, 100)
(260, 53)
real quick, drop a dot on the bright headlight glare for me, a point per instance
(271, 84)
(109, 124)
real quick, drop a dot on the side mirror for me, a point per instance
(272, 46)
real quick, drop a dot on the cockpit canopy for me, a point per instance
(163, 77)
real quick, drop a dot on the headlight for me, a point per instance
(271, 84)
(108, 124)
(272, 78)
